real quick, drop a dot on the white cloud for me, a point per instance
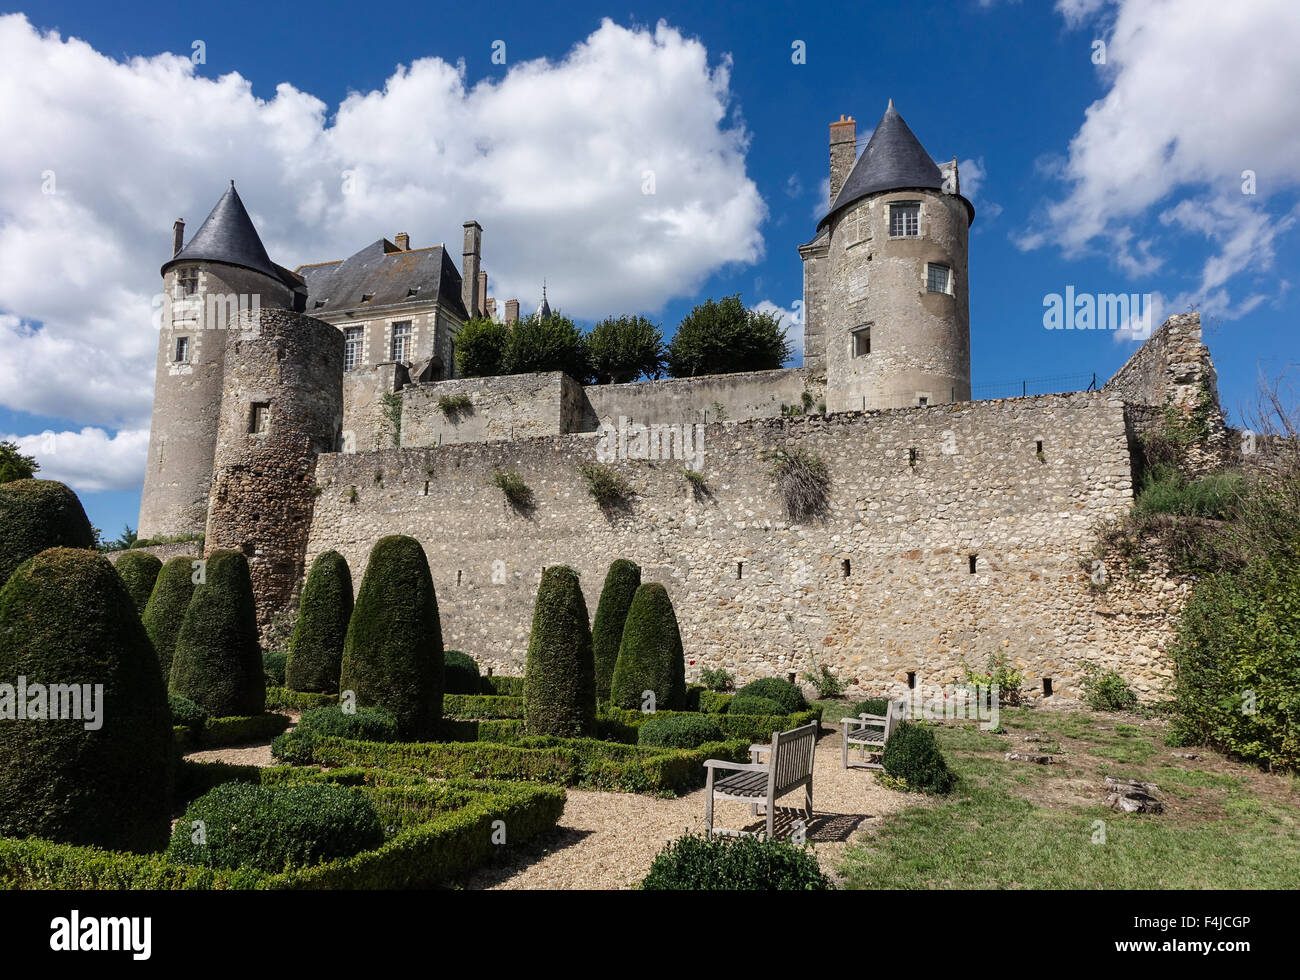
(551, 158)
(791, 320)
(971, 176)
(89, 460)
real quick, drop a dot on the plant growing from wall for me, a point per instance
(454, 406)
(621, 583)
(352, 495)
(719, 412)
(650, 656)
(998, 673)
(824, 681)
(559, 671)
(518, 493)
(606, 486)
(315, 657)
(695, 480)
(390, 403)
(139, 571)
(803, 481)
(165, 610)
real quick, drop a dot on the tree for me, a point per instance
(165, 611)
(552, 343)
(481, 349)
(723, 337)
(650, 657)
(39, 514)
(559, 673)
(624, 348)
(621, 583)
(139, 570)
(124, 540)
(316, 648)
(14, 465)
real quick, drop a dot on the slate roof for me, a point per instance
(388, 276)
(894, 159)
(228, 236)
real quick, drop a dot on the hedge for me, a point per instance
(109, 786)
(273, 664)
(748, 704)
(621, 583)
(753, 728)
(714, 702)
(365, 724)
(392, 657)
(559, 673)
(506, 686)
(165, 611)
(460, 672)
(787, 695)
(316, 648)
(139, 571)
(650, 657)
(188, 716)
(35, 515)
(679, 731)
(243, 729)
(482, 706)
(282, 699)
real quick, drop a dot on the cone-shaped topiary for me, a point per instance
(460, 671)
(139, 570)
(559, 673)
(621, 584)
(912, 756)
(316, 649)
(35, 515)
(68, 626)
(218, 659)
(650, 656)
(392, 657)
(165, 611)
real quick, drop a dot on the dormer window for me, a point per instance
(319, 304)
(905, 219)
(413, 291)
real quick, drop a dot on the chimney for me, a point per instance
(482, 293)
(178, 236)
(512, 310)
(844, 134)
(403, 241)
(469, 263)
(492, 308)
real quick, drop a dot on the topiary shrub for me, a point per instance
(139, 571)
(218, 660)
(35, 515)
(362, 725)
(787, 695)
(748, 704)
(316, 647)
(392, 657)
(275, 828)
(679, 731)
(461, 673)
(165, 610)
(912, 757)
(187, 714)
(747, 863)
(650, 656)
(273, 662)
(621, 582)
(68, 623)
(559, 672)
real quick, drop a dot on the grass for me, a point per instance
(1016, 825)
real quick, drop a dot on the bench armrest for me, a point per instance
(720, 764)
(760, 748)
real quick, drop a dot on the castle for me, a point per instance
(319, 408)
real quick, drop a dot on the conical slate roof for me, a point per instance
(544, 310)
(228, 236)
(893, 160)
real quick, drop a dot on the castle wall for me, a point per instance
(748, 395)
(516, 406)
(366, 425)
(761, 596)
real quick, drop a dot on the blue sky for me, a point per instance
(1116, 177)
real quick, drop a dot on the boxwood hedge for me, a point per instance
(621, 583)
(787, 695)
(315, 655)
(165, 610)
(461, 673)
(650, 657)
(35, 515)
(559, 673)
(139, 571)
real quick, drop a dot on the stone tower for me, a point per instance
(223, 270)
(886, 317)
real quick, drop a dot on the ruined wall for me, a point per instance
(881, 589)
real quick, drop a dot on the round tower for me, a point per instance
(888, 272)
(223, 270)
(281, 406)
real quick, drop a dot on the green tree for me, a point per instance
(39, 514)
(139, 570)
(481, 349)
(316, 647)
(723, 337)
(621, 583)
(552, 343)
(650, 656)
(165, 610)
(624, 348)
(14, 465)
(559, 673)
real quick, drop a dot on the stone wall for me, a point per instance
(949, 537)
(747, 395)
(516, 406)
(163, 552)
(366, 426)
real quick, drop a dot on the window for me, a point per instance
(862, 341)
(905, 218)
(259, 418)
(367, 297)
(401, 347)
(922, 400)
(182, 350)
(937, 277)
(189, 281)
(351, 347)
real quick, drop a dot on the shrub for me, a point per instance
(715, 702)
(35, 515)
(785, 694)
(186, 714)
(273, 664)
(650, 656)
(621, 582)
(460, 673)
(723, 336)
(504, 686)
(559, 672)
(139, 571)
(316, 648)
(998, 672)
(679, 731)
(243, 729)
(748, 863)
(218, 661)
(275, 828)
(165, 610)
(363, 725)
(606, 486)
(392, 657)
(109, 786)
(1166, 491)
(749, 704)
(1106, 690)
(483, 706)
(517, 492)
(871, 706)
(912, 757)
(453, 406)
(823, 679)
(717, 678)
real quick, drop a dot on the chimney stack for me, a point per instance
(492, 308)
(470, 260)
(482, 293)
(844, 154)
(403, 241)
(512, 310)
(178, 236)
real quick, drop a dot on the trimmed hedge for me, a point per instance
(273, 662)
(748, 863)
(364, 724)
(461, 674)
(871, 706)
(752, 728)
(559, 673)
(109, 786)
(650, 657)
(392, 657)
(787, 695)
(35, 515)
(505, 686)
(912, 756)
(187, 715)
(282, 699)
(746, 704)
(482, 706)
(715, 702)
(218, 659)
(679, 731)
(621, 583)
(139, 571)
(315, 657)
(243, 729)
(165, 610)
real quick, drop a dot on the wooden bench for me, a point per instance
(789, 766)
(868, 733)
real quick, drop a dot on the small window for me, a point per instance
(189, 281)
(911, 680)
(922, 400)
(845, 567)
(182, 350)
(367, 297)
(401, 346)
(351, 347)
(862, 341)
(1047, 687)
(974, 561)
(937, 278)
(259, 419)
(905, 219)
